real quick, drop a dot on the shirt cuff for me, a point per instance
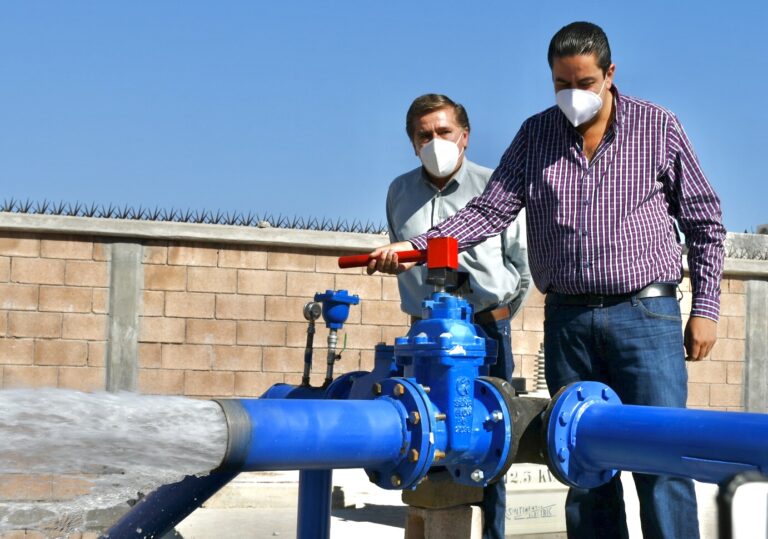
(419, 242)
(706, 307)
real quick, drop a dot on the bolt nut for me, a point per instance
(376, 389)
(439, 455)
(413, 456)
(395, 480)
(440, 416)
(414, 417)
(477, 476)
(398, 390)
(497, 416)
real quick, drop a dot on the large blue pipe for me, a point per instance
(286, 434)
(707, 446)
(591, 435)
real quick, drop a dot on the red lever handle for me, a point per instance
(356, 261)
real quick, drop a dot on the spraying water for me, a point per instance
(65, 453)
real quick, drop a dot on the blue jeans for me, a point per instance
(635, 347)
(495, 495)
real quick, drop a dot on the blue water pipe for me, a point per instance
(428, 402)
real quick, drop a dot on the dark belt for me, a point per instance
(655, 290)
(485, 317)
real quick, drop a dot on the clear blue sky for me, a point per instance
(297, 108)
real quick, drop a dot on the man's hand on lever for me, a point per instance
(385, 260)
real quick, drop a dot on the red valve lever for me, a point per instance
(356, 261)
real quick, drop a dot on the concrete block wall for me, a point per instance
(221, 319)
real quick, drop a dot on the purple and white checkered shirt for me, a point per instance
(605, 226)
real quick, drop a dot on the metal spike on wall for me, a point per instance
(217, 217)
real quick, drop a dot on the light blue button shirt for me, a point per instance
(498, 267)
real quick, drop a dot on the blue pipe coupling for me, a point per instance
(591, 435)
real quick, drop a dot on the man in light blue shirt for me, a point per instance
(498, 271)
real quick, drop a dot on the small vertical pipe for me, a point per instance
(314, 509)
(308, 353)
(333, 339)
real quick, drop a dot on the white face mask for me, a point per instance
(579, 106)
(440, 156)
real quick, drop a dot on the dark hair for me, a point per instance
(424, 104)
(580, 38)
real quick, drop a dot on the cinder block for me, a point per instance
(100, 301)
(150, 355)
(97, 353)
(66, 299)
(367, 287)
(237, 358)
(211, 332)
(152, 303)
(296, 333)
(63, 247)
(261, 333)
(209, 383)
(20, 376)
(90, 327)
(57, 352)
(212, 280)
(290, 261)
(736, 286)
(733, 304)
(305, 285)
(187, 356)
(725, 395)
(102, 252)
(728, 350)
(698, 395)
(239, 307)
(155, 253)
(82, 273)
(83, 378)
(527, 342)
(384, 313)
(533, 319)
(535, 298)
(161, 382)
(705, 371)
(161, 329)
(17, 245)
(3, 323)
(328, 262)
(19, 297)
(243, 258)
(37, 270)
(17, 351)
(736, 327)
(33, 324)
(192, 255)
(358, 336)
(165, 277)
(735, 372)
(26, 487)
(389, 289)
(367, 360)
(67, 487)
(266, 283)
(390, 333)
(5, 269)
(189, 305)
(287, 360)
(254, 384)
(279, 308)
